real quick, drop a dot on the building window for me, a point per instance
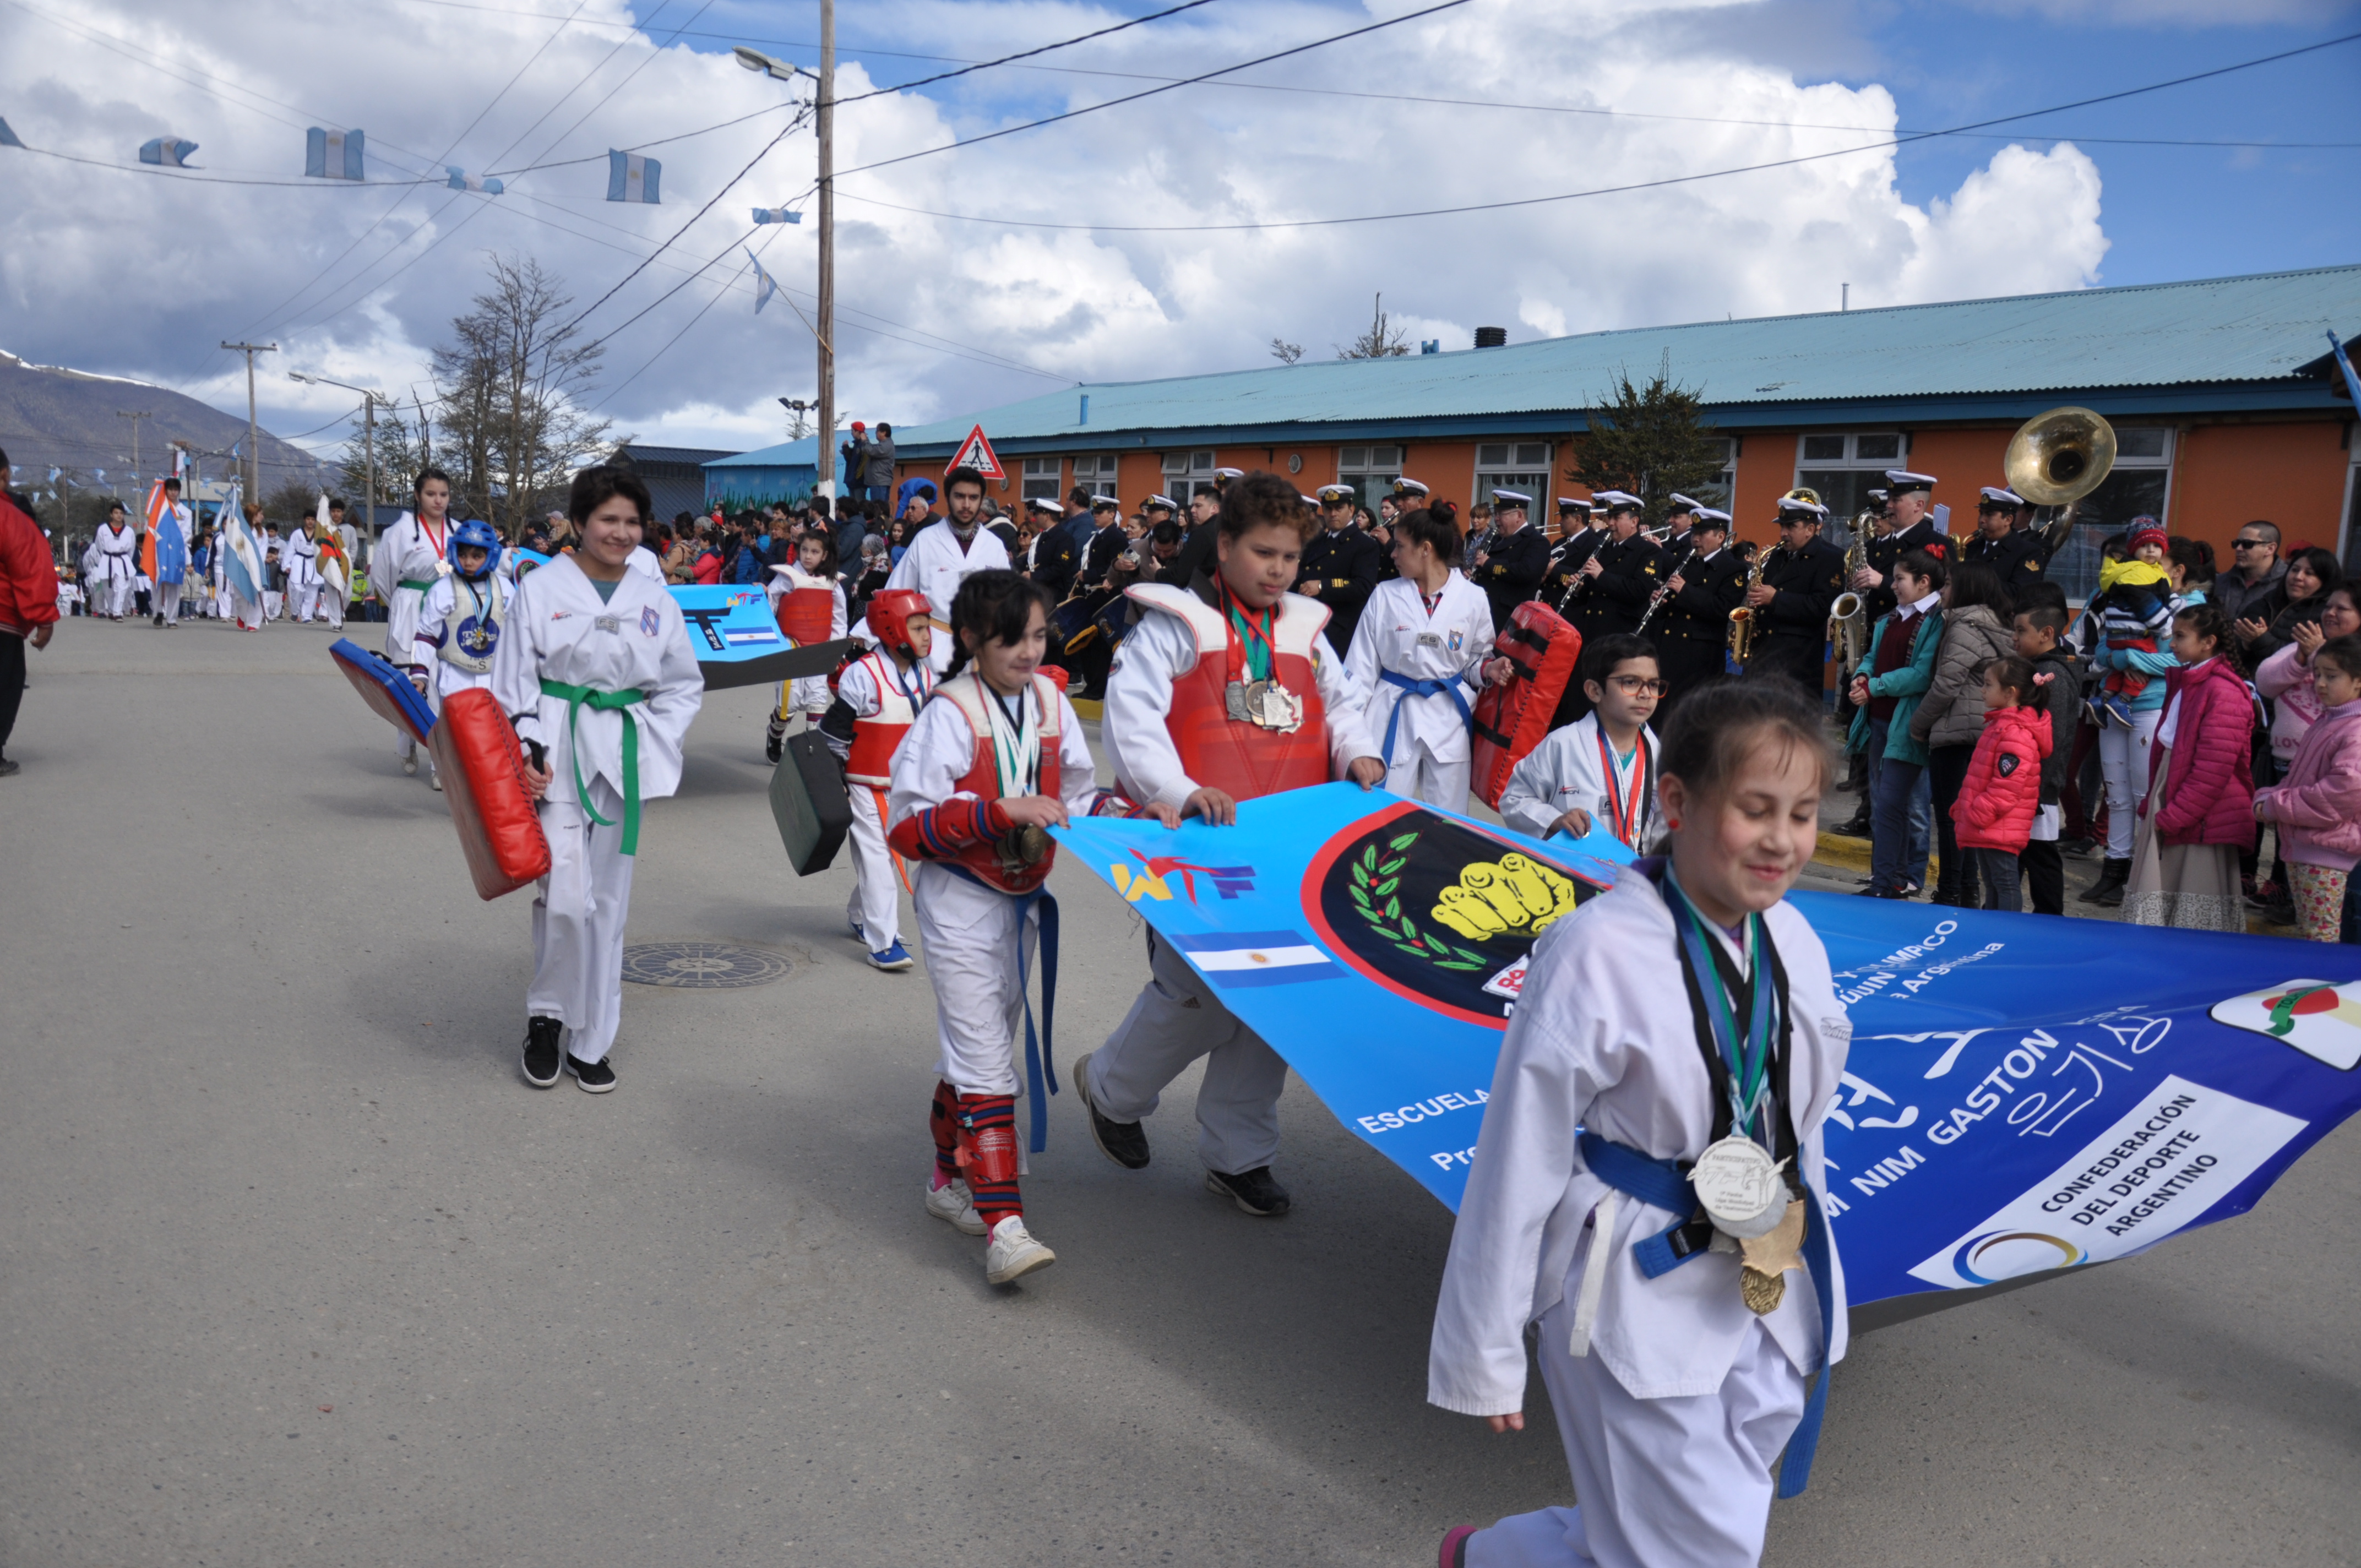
(1186, 473)
(1843, 469)
(1096, 474)
(1370, 470)
(1041, 478)
(1515, 465)
(1717, 493)
(2138, 486)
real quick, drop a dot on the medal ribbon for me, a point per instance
(1251, 651)
(1015, 757)
(1748, 1056)
(1627, 810)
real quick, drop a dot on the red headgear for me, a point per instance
(889, 618)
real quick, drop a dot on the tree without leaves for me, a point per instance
(399, 455)
(512, 430)
(1380, 342)
(1286, 353)
(1649, 441)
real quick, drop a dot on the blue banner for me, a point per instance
(2024, 1093)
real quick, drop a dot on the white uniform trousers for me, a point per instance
(971, 956)
(1176, 1020)
(168, 601)
(2123, 762)
(1684, 1480)
(118, 596)
(305, 600)
(875, 907)
(1418, 776)
(577, 921)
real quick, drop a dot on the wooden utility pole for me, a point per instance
(135, 419)
(825, 123)
(253, 427)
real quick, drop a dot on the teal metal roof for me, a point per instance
(2239, 332)
(804, 453)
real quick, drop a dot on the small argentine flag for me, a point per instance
(1257, 958)
(765, 284)
(762, 214)
(333, 155)
(631, 178)
(460, 180)
(172, 152)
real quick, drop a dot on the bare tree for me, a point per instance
(401, 453)
(1380, 342)
(1286, 353)
(512, 428)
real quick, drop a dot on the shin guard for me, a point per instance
(942, 1120)
(987, 1154)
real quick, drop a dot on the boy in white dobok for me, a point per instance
(1647, 1185)
(877, 700)
(1420, 652)
(413, 553)
(1600, 769)
(459, 627)
(808, 601)
(595, 669)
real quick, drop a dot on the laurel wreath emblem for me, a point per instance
(1373, 884)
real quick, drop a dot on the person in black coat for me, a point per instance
(1340, 565)
(1910, 525)
(2013, 553)
(1622, 574)
(1046, 555)
(1512, 563)
(1577, 540)
(1691, 628)
(1800, 580)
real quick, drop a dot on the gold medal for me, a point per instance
(1763, 1274)
(1023, 847)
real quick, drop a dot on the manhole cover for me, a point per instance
(722, 966)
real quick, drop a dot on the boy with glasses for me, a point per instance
(1600, 770)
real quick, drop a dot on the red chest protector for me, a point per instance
(965, 692)
(1244, 760)
(875, 737)
(807, 611)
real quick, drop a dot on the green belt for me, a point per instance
(414, 583)
(576, 699)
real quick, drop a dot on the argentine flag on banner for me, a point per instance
(333, 155)
(765, 284)
(171, 153)
(631, 178)
(460, 180)
(764, 214)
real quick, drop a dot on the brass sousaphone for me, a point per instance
(2057, 458)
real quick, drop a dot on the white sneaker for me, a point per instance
(1014, 1253)
(955, 1204)
(409, 763)
(436, 779)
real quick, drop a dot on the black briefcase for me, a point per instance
(808, 800)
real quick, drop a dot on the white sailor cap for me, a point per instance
(1709, 518)
(1405, 485)
(2000, 497)
(1684, 503)
(1043, 503)
(1573, 503)
(1166, 502)
(1105, 503)
(1311, 501)
(1513, 501)
(1793, 506)
(1339, 493)
(1900, 482)
(1879, 497)
(1618, 500)
(1229, 473)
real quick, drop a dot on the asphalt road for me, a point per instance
(295, 1270)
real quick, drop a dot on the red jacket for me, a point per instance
(2002, 789)
(2210, 796)
(28, 577)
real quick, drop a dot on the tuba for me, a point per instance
(2057, 458)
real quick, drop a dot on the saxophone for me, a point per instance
(1848, 616)
(1741, 619)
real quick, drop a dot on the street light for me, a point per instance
(824, 129)
(370, 401)
(769, 65)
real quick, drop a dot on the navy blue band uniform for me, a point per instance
(1513, 567)
(1792, 631)
(1692, 631)
(1628, 573)
(1347, 565)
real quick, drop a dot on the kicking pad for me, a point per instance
(483, 781)
(808, 800)
(385, 689)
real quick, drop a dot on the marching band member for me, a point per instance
(1602, 767)
(115, 548)
(1340, 566)
(1622, 573)
(1511, 564)
(877, 700)
(1791, 601)
(597, 672)
(1224, 693)
(810, 576)
(946, 554)
(1420, 654)
(411, 555)
(997, 757)
(1681, 1350)
(2015, 553)
(459, 624)
(1577, 540)
(1680, 515)
(1691, 630)
(1909, 525)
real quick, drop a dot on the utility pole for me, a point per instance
(370, 401)
(824, 125)
(253, 428)
(135, 419)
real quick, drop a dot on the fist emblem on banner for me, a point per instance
(1515, 894)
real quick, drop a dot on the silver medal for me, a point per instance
(1740, 1187)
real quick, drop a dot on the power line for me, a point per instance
(972, 68)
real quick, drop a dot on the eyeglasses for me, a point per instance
(2250, 544)
(1635, 685)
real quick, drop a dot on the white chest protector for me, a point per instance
(472, 630)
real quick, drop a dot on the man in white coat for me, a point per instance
(945, 555)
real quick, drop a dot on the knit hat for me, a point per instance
(2144, 531)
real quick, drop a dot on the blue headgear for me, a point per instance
(479, 535)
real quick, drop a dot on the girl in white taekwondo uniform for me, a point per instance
(408, 560)
(813, 601)
(1420, 652)
(997, 757)
(944, 554)
(596, 671)
(1679, 1361)
(459, 627)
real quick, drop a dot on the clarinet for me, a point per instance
(1580, 585)
(1664, 591)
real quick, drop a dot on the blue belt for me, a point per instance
(1410, 689)
(1663, 1184)
(1036, 1049)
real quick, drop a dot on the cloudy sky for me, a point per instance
(978, 296)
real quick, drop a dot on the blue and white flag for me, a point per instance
(631, 178)
(333, 155)
(773, 214)
(171, 153)
(8, 137)
(765, 284)
(2018, 1097)
(2345, 362)
(460, 180)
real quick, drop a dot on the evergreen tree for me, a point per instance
(1650, 442)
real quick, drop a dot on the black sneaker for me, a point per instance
(7, 767)
(542, 1054)
(774, 741)
(1125, 1142)
(592, 1077)
(1253, 1190)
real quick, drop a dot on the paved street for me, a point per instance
(295, 1269)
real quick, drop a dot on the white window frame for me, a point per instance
(1525, 465)
(1186, 473)
(1100, 475)
(1839, 529)
(1043, 478)
(2163, 463)
(1370, 470)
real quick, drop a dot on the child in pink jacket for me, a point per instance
(2318, 808)
(2002, 790)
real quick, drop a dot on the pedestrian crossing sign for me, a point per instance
(976, 453)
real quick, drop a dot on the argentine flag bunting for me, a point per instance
(768, 215)
(460, 180)
(765, 284)
(8, 137)
(631, 178)
(171, 153)
(333, 155)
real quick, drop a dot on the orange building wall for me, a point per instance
(1964, 461)
(2225, 476)
(1766, 470)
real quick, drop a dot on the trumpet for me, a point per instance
(1664, 591)
(1741, 619)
